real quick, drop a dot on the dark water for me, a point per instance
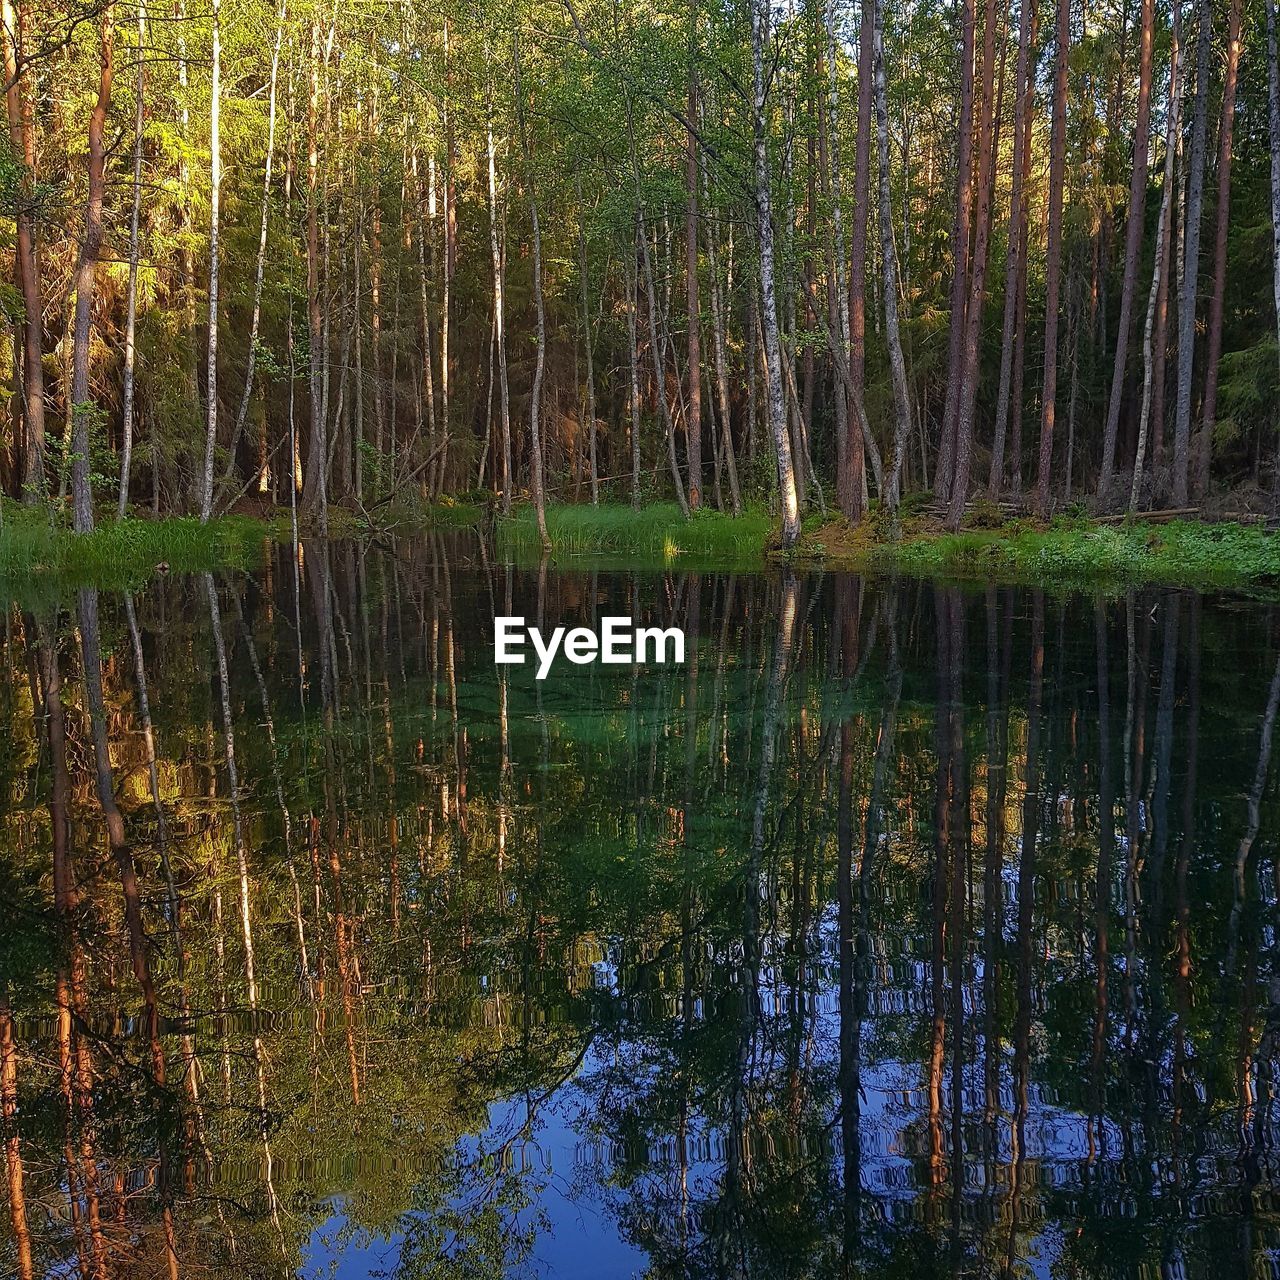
(904, 931)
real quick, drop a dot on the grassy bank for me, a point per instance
(1069, 551)
(656, 534)
(122, 551)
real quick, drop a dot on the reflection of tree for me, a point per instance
(709, 951)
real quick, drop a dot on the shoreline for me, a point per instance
(1074, 552)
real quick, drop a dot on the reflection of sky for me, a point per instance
(566, 1165)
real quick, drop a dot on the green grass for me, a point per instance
(121, 552)
(654, 534)
(1077, 552)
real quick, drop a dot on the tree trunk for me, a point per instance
(242, 413)
(215, 199)
(80, 408)
(1132, 249)
(850, 453)
(314, 496)
(633, 302)
(535, 397)
(1015, 265)
(853, 317)
(693, 408)
(1273, 129)
(499, 319)
(1191, 261)
(945, 471)
(889, 274)
(27, 264)
(131, 305)
(1201, 483)
(978, 276)
(769, 306)
(1053, 258)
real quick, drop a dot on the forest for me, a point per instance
(803, 257)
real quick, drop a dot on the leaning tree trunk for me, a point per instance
(1132, 249)
(769, 305)
(1220, 249)
(1053, 258)
(1191, 261)
(80, 408)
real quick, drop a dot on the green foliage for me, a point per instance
(657, 534)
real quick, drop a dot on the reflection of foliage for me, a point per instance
(586, 945)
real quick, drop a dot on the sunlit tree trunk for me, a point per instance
(215, 203)
(960, 231)
(854, 313)
(693, 409)
(131, 306)
(242, 413)
(889, 275)
(499, 320)
(82, 411)
(1153, 367)
(27, 261)
(760, 44)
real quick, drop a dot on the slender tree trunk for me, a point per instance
(1053, 257)
(535, 406)
(1191, 260)
(769, 307)
(314, 496)
(969, 351)
(589, 350)
(693, 408)
(889, 274)
(131, 305)
(1201, 483)
(1015, 264)
(27, 263)
(945, 472)
(215, 200)
(854, 314)
(81, 409)
(1273, 129)
(1132, 249)
(633, 302)
(499, 319)
(242, 413)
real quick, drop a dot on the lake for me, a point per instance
(907, 929)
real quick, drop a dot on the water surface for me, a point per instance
(906, 930)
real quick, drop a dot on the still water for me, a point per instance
(906, 930)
